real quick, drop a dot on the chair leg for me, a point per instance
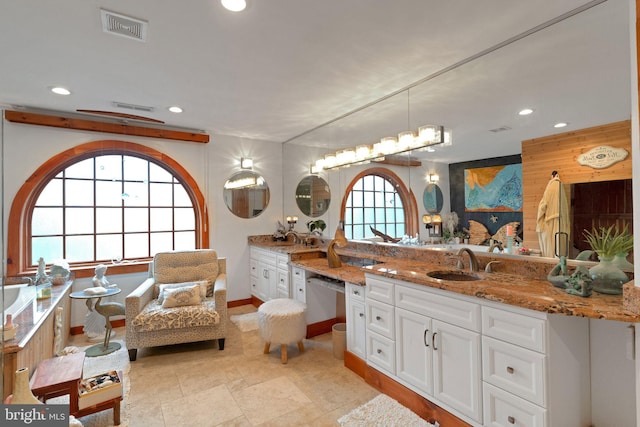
(300, 346)
(221, 343)
(266, 347)
(283, 356)
(133, 353)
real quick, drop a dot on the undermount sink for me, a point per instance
(454, 276)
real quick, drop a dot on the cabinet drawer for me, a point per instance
(283, 262)
(380, 318)
(380, 290)
(451, 310)
(298, 274)
(514, 369)
(502, 409)
(381, 353)
(518, 329)
(355, 292)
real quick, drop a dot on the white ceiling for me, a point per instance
(284, 67)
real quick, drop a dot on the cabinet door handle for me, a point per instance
(426, 343)
(433, 340)
(511, 419)
(379, 351)
(356, 293)
(510, 369)
(378, 318)
(300, 290)
(361, 314)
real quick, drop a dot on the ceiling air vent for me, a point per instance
(132, 106)
(124, 26)
(500, 129)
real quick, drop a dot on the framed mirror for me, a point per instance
(246, 194)
(432, 198)
(313, 196)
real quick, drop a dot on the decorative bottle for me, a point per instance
(21, 391)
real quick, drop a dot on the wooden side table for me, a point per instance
(57, 377)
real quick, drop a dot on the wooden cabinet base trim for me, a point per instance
(407, 397)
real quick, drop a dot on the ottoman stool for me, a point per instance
(282, 321)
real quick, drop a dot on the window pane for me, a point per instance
(185, 240)
(348, 217)
(161, 194)
(358, 216)
(184, 219)
(79, 220)
(349, 201)
(180, 196)
(136, 245)
(109, 247)
(135, 194)
(357, 199)
(83, 169)
(367, 182)
(158, 174)
(108, 220)
(135, 169)
(380, 215)
(52, 194)
(369, 198)
(46, 221)
(136, 219)
(161, 242)
(109, 167)
(388, 186)
(358, 185)
(400, 230)
(161, 219)
(358, 232)
(108, 193)
(49, 248)
(79, 249)
(400, 215)
(78, 193)
(391, 215)
(369, 217)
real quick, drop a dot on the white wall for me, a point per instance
(26, 147)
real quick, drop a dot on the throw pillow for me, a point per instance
(201, 283)
(179, 297)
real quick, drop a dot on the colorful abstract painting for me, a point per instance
(493, 189)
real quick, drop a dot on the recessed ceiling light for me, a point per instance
(525, 111)
(560, 125)
(234, 5)
(60, 90)
(175, 109)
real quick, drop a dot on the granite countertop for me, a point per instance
(520, 290)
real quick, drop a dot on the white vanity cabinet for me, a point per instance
(438, 347)
(380, 320)
(356, 319)
(269, 272)
(299, 285)
(535, 368)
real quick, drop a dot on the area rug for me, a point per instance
(245, 322)
(382, 411)
(119, 361)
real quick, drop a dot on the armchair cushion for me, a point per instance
(202, 285)
(155, 318)
(180, 297)
(185, 266)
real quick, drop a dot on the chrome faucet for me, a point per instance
(473, 261)
(296, 237)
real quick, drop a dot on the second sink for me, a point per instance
(455, 276)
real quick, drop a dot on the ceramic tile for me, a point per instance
(208, 407)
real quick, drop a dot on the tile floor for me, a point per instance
(198, 385)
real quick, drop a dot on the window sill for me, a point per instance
(113, 269)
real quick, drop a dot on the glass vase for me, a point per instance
(607, 278)
(620, 261)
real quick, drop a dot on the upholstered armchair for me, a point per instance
(184, 299)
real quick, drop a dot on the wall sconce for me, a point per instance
(433, 178)
(436, 221)
(246, 163)
(291, 220)
(426, 220)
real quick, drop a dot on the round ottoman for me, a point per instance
(282, 321)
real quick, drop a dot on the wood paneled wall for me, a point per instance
(540, 156)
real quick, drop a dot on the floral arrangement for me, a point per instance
(608, 242)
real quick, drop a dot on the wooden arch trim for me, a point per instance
(19, 225)
(406, 195)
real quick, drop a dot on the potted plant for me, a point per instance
(316, 226)
(607, 243)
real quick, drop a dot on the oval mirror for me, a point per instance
(246, 194)
(313, 196)
(432, 198)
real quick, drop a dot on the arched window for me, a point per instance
(377, 198)
(105, 202)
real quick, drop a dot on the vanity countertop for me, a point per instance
(533, 294)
